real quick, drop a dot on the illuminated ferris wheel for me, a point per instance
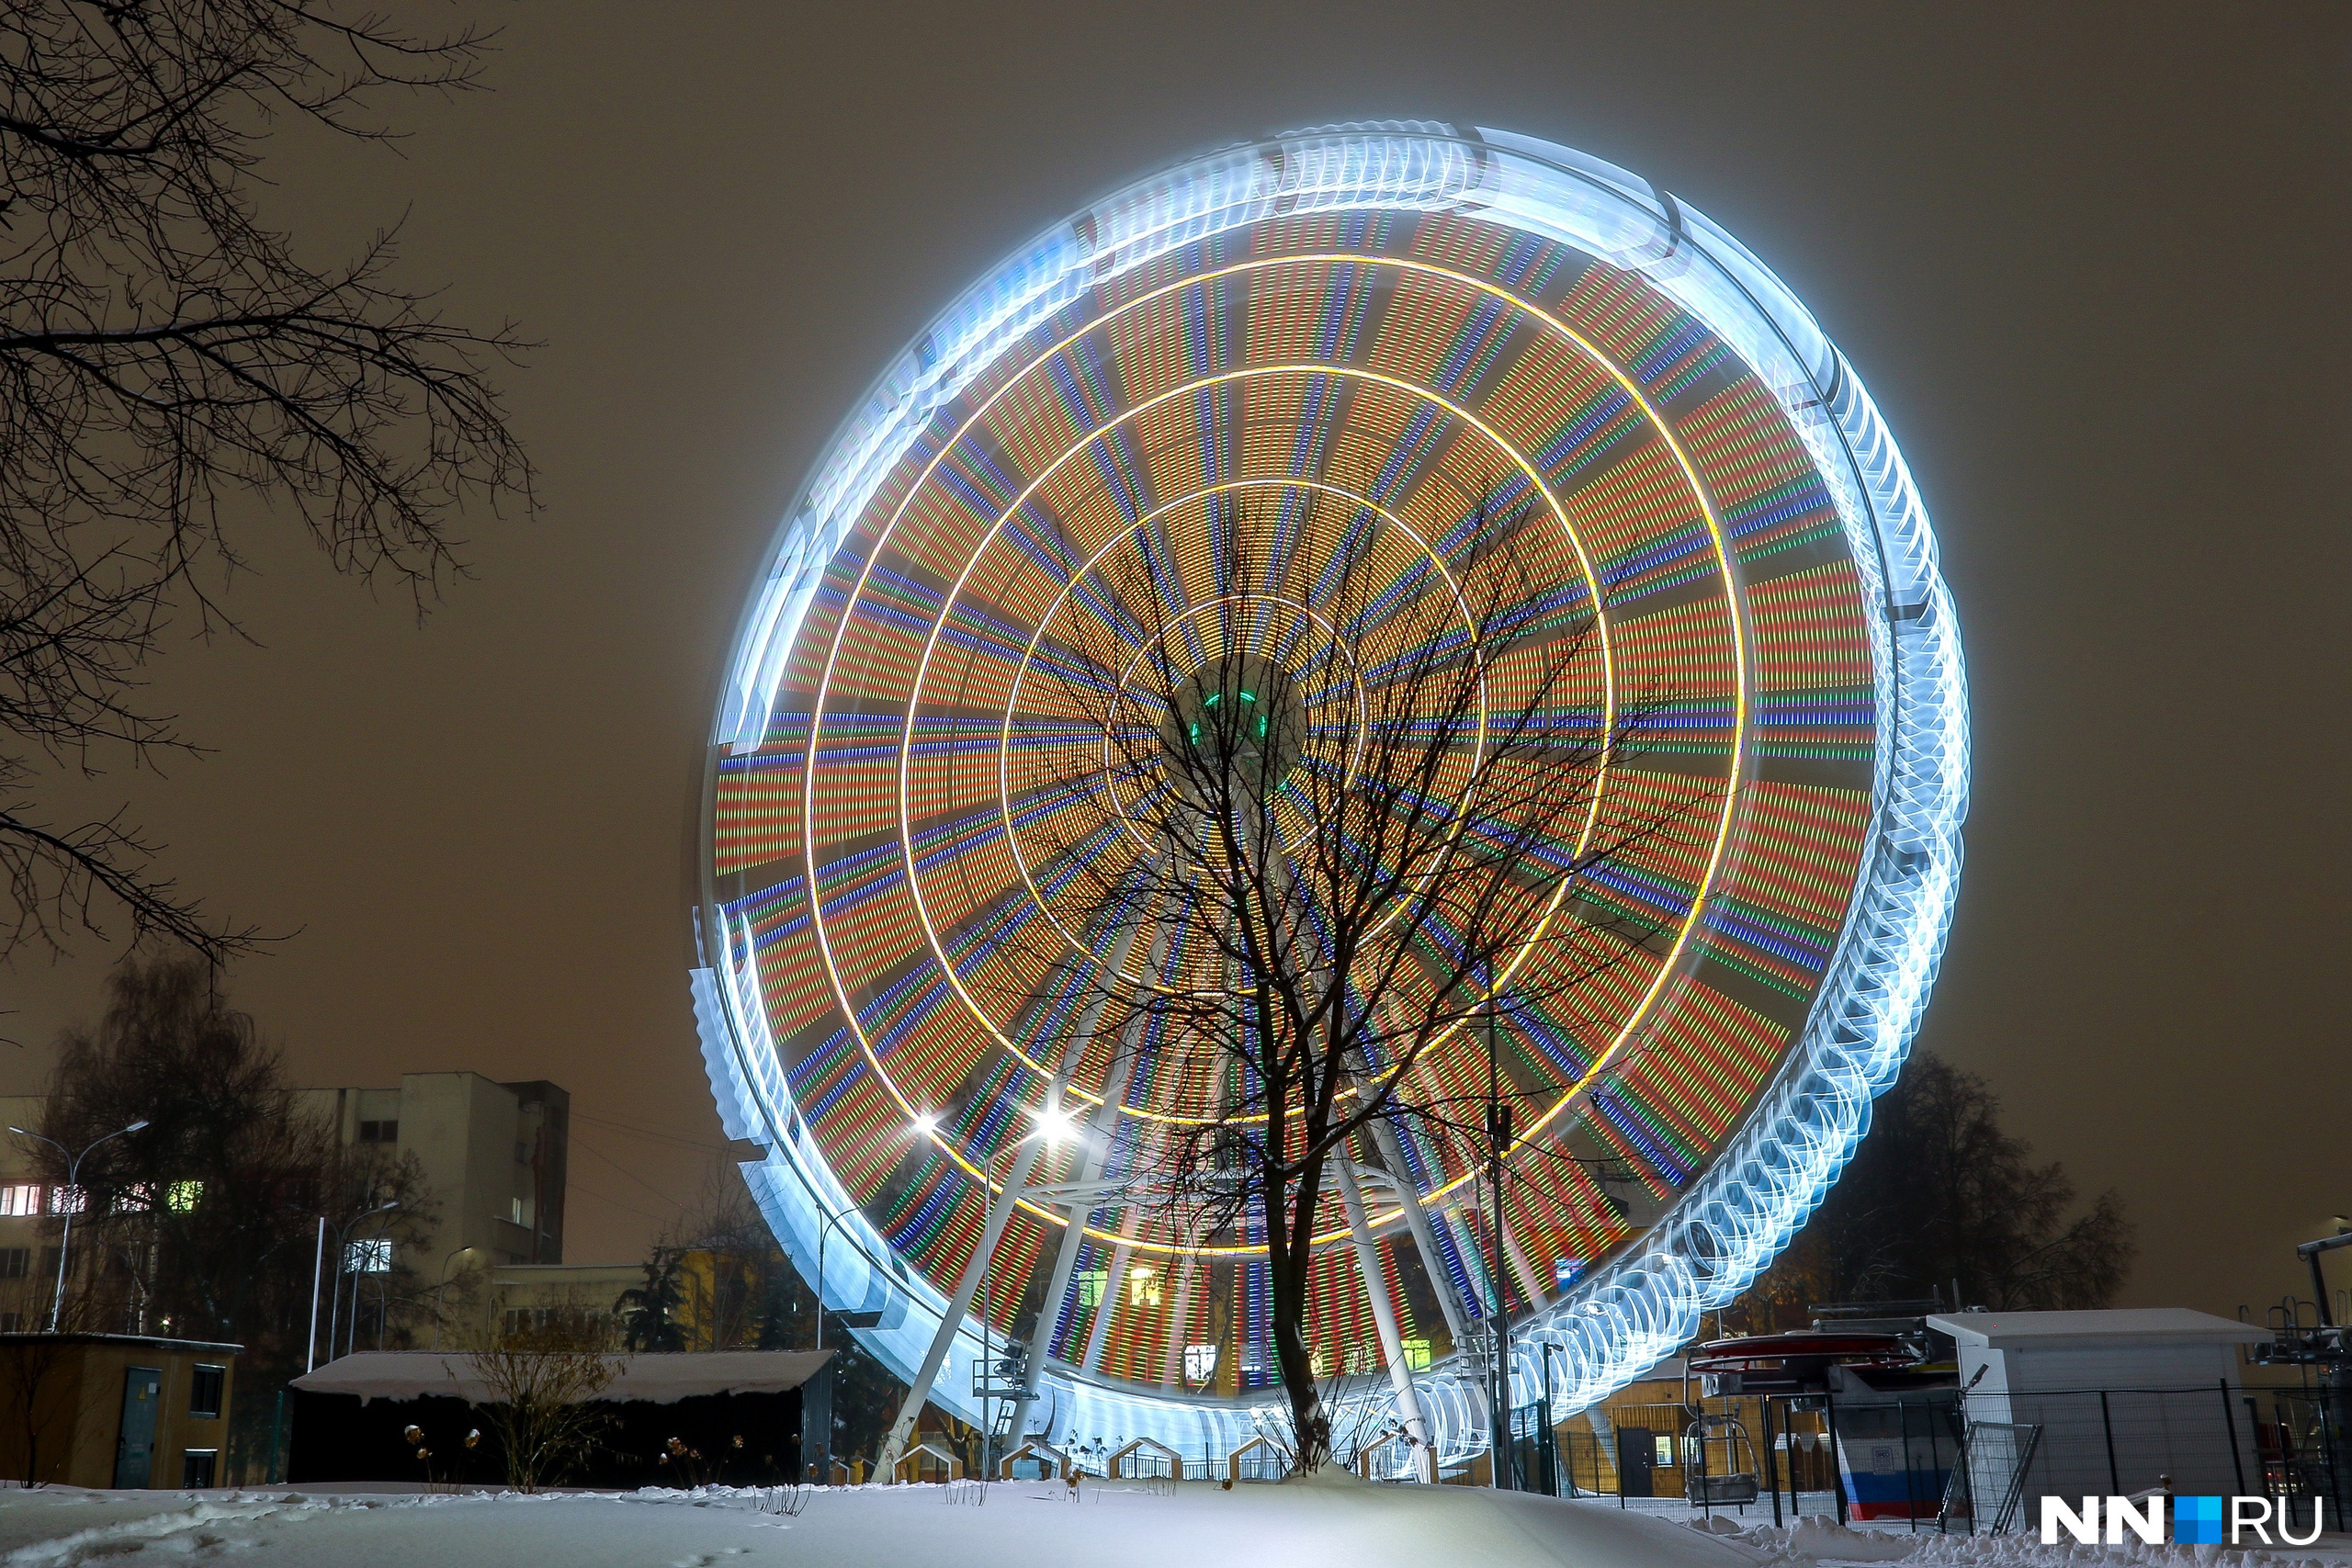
(1352, 332)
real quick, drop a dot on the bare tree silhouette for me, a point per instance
(1344, 824)
(168, 367)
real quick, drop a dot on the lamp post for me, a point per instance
(334, 1301)
(1550, 1433)
(824, 1236)
(1503, 1458)
(442, 1286)
(318, 1271)
(74, 1186)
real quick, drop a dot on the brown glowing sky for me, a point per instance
(2092, 262)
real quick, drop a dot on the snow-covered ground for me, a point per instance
(1338, 1522)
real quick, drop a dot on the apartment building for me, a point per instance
(494, 1156)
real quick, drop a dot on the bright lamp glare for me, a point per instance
(1056, 1126)
(926, 1124)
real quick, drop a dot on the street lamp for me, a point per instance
(824, 1236)
(74, 1186)
(925, 1123)
(442, 1286)
(334, 1301)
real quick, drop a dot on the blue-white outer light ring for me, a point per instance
(1741, 1211)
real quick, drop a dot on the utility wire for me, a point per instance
(625, 1170)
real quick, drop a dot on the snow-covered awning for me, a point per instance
(656, 1379)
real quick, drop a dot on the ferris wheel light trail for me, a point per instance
(1358, 330)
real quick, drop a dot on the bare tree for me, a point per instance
(736, 1283)
(541, 1383)
(1348, 811)
(1938, 1194)
(169, 367)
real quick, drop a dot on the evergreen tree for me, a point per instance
(1937, 1192)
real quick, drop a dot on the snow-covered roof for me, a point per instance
(2000, 1329)
(656, 1379)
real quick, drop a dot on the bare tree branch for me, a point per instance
(1372, 801)
(168, 365)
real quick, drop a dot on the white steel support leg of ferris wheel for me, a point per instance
(1531, 1283)
(1098, 1333)
(1384, 1317)
(1096, 1154)
(1000, 1206)
(1416, 1220)
(967, 1284)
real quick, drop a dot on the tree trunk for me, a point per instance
(1288, 1257)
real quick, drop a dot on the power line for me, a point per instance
(678, 1138)
(607, 1198)
(625, 1170)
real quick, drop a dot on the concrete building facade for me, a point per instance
(494, 1157)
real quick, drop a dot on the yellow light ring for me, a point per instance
(1113, 542)
(1742, 674)
(972, 561)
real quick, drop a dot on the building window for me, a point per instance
(181, 1197)
(139, 1198)
(196, 1469)
(68, 1199)
(522, 1152)
(519, 1210)
(16, 1262)
(21, 1199)
(1090, 1286)
(380, 1131)
(204, 1387)
(1200, 1363)
(373, 1256)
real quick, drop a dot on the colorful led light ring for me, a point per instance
(1752, 1184)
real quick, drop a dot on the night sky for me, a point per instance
(2092, 264)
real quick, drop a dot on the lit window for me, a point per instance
(68, 1199)
(1090, 1286)
(519, 1210)
(1200, 1362)
(139, 1198)
(1417, 1354)
(21, 1199)
(1143, 1287)
(373, 1256)
(1666, 1450)
(181, 1197)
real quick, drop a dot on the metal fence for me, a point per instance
(1938, 1459)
